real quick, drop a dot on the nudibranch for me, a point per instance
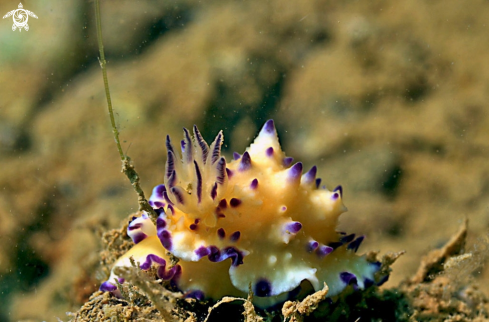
(257, 220)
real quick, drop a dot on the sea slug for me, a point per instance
(258, 220)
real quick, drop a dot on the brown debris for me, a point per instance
(430, 302)
(296, 311)
(249, 309)
(385, 263)
(433, 262)
(144, 299)
(160, 297)
(105, 307)
(442, 288)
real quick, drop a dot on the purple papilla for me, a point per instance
(235, 236)
(348, 278)
(262, 288)
(293, 227)
(245, 163)
(107, 287)
(137, 238)
(295, 171)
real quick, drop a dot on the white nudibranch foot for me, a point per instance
(257, 219)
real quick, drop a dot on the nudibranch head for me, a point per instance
(258, 220)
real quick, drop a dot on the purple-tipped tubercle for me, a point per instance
(236, 156)
(254, 184)
(293, 227)
(108, 287)
(310, 176)
(223, 204)
(318, 183)
(229, 173)
(312, 246)
(269, 152)
(221, 233)
(234, 202)
(295, 172)
(262, 288)
(269, 127)
(348, 278)
(339, 189)
(324, 250)
(245, 163)
(235, 236)
(288, 161)
(354, 245)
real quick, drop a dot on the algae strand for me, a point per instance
(127, 167)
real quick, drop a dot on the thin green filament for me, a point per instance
(103, 65)
(127, 166)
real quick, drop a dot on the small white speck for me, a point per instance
(272, 260)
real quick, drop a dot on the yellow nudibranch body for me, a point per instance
(256, 220)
